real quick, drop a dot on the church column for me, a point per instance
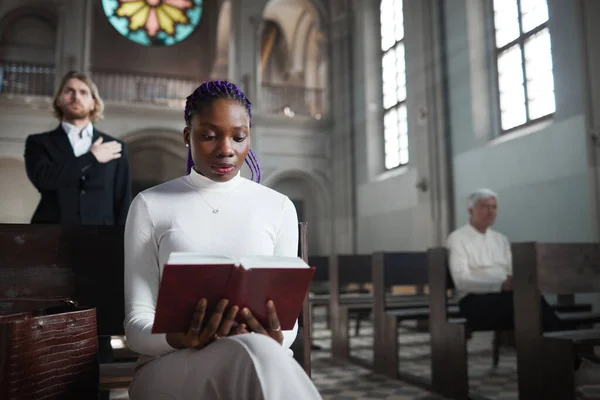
(244, 53)
(74, 36)
(588, 46)
(244, 46)
(342, 137)
(426, 64)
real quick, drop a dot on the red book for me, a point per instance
(247, 282)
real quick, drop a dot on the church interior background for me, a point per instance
(377, 118)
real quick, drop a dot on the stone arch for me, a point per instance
(221, 64)
(320, 8)
(298, 20)
(18, 197)
(29, 34)
(298, 89)
(155, 156)
(313, 202)
(274, 58)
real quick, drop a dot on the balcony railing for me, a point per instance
(130, 88)
(292, 100)
(127, 88)
(26, 79)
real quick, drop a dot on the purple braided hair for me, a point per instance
(205, 94)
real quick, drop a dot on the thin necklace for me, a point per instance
(216, 210)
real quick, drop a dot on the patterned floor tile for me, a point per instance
(338, 380)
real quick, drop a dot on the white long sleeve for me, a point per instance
(287, 245)
(142, 278)
(479, 263)
(177, 216)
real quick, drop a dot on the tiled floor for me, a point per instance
(338, 380)
(342, 381)
(493, 383)
(498, 383)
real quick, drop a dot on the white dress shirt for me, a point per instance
(81, 139)
(479, 262)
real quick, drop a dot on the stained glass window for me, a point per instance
(154, 22)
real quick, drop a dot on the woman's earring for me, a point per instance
(187, 145)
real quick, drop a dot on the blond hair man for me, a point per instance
(81, 173)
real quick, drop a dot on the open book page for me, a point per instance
(247, 262)
(255, 262)
(189, 258)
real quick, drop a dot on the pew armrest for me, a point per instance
(582, 336)
(116, 375)
(580, 318)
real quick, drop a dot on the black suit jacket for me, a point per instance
(76, 190)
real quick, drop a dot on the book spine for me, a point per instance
(237, 290)
(245, 291)
(232, 292)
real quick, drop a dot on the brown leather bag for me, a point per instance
(49, 353)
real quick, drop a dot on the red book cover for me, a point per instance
(248, 282)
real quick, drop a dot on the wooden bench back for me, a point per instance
(440, 280)
(541, 268)
(84, 263)
(350, 268)
(321, 263)
(399, 268)
(396, 268)
(302, 342)
(345, 269)
(558, 268)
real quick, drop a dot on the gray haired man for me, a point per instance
(481, 268)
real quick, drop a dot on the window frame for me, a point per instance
(398, 104)
(519, 41)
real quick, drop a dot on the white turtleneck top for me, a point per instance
(178, 216)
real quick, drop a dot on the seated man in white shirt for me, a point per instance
(481, 267)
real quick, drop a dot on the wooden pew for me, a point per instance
(389, 269)
(85, 263)
(320, 282)
(545, 360)
(344, 270)
(449, 369)
(319, 287)
(301, 345)
(449, 333)
(82, 263)
(318, 292)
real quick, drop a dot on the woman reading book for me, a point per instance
(214, 211)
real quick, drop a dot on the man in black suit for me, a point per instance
(81, 173)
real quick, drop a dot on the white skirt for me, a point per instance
(242, 367)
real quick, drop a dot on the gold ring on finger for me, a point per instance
(196, 330)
